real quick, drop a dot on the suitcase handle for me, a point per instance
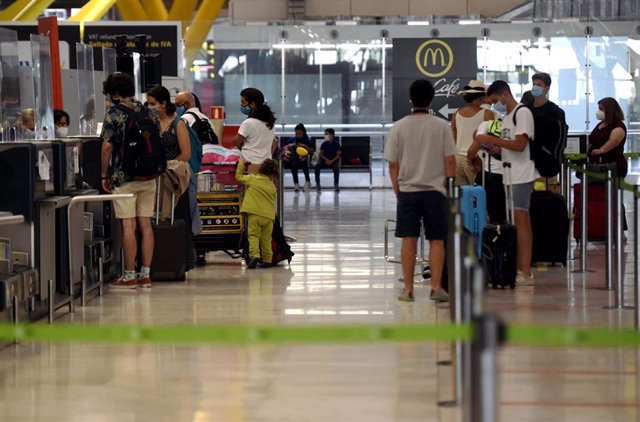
(509, 188)
(173, 202)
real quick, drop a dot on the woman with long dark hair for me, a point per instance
(177, 146)
(606, 142)
(256, 136)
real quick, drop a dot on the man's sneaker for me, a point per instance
(263, 264)
(318, 188)
(439, 296)
(144, 282)
(523, 280)
(405, 296)
(336, 188)
(296, 187)
(253, 263)
(123, 284)
(307, 186)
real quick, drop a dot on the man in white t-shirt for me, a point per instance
(421, 155)
(491, 179)
(186, 99)
(517, 129)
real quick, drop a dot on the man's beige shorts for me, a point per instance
(142, 205)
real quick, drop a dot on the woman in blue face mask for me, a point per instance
(256, 136)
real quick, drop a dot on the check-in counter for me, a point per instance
(27, 189)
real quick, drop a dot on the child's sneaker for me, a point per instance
(122, 284)
(263, 264)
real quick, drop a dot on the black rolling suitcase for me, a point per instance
(500, 245)
(550, 226)
(169, 246)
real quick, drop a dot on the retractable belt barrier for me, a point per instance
(527, 335)
(615, 188)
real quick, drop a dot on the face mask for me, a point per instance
(180, 110)
(485, 106)
(500, 108)
(113, 101)
(62, 131)
(328, 138)
(537, 91)
(600, 115)
(246, 110)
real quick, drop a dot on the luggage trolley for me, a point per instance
(219, 198)
(420, 260)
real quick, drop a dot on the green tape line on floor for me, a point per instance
(234, 334)
(568, 336)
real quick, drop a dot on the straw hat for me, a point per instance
(474, 87)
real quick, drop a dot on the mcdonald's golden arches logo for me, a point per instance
(434, 58)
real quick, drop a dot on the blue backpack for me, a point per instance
(196, 146)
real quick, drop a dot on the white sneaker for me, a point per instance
(307, 186)
(523, 280)
(296, 187)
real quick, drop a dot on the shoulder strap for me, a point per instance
(516, 112)
(175, 122)
(194, 115)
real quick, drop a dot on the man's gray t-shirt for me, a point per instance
(419, 143)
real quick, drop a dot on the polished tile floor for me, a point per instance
(338, 276)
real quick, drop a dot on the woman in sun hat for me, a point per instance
(464, 123)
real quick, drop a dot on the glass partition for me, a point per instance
(10, 102)
(43, 93)
(331, 76)
(86, 90)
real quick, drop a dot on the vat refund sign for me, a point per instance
(449, 63)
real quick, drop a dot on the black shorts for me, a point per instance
(430, 206)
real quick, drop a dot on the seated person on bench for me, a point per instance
(330, 152)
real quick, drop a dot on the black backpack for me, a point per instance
(143, 154)
(548, 143)
(203, 129)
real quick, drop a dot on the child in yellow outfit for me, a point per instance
(259, 205)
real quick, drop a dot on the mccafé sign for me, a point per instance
(434, 58)
(449, 63)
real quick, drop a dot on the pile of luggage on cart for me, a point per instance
(219, 199)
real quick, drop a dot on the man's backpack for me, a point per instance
(195, 161)
(143, 154)
(203, 129)
(547, 144)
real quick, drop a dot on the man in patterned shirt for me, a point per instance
(134, 213)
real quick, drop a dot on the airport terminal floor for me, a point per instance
(338, 276)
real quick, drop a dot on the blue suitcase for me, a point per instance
(473, 205)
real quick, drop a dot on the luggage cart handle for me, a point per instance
(12, 219)
(79, 200)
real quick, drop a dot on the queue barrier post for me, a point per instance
(636, 260)
(488, 336)
(584, 214)
(455, 268)
(609, 215)
(619, 245)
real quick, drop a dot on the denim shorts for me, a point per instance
(522, 196)
(428, 206)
